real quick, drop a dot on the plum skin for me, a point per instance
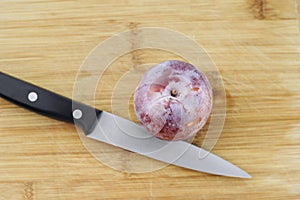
(173, 100)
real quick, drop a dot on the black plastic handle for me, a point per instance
(48, 103)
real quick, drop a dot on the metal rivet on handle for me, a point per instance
(33, 96)
(77, 114)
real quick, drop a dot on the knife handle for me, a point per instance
(48, 103)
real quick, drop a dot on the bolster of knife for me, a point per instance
(48, 103)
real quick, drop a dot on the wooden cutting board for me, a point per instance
(255, 45)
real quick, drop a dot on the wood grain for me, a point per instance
(254, 43)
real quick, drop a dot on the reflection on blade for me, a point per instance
(123, 133)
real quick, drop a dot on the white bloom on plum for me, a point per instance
(173, 100)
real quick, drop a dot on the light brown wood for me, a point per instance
(254, 43)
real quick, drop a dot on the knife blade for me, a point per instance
(114, 130)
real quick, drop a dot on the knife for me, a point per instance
(109, 128)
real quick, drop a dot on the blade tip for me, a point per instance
(248, 176)
(245, 175)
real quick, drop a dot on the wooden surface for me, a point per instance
(254, 43)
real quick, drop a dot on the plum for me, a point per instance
(173, 100)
